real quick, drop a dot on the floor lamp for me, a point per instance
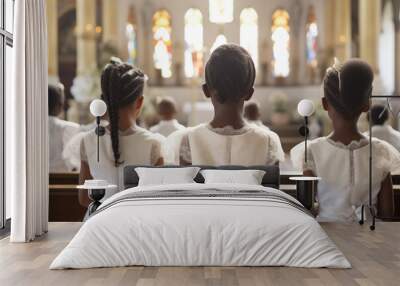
(97, 188)
(370, 206)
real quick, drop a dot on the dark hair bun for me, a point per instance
(349, 87)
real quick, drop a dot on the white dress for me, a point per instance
(166, 127)
(72, 150)
(205, 145)
(60, 132)
(258, 123)
(344, 173)
(386, 133)
(136, 145)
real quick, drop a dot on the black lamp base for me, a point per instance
(306, 190)
(95, 195)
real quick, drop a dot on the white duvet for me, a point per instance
(200, 231)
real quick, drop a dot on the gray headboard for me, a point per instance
(271, 177)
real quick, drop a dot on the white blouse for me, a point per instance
(344, 173)
(137, 147)
(205, 145)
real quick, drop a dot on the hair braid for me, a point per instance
(121, 85)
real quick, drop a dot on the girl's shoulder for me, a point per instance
(318, 142)
(383, 148)
(263, 132)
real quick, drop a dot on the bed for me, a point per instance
(199, 224)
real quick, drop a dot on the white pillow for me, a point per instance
(166, 176)
(248, 177)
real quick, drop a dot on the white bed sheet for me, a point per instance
(200, 232)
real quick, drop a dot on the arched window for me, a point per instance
(131, 36)
(219, 41)
(249, 32)
(312, 39)
(193, 43)
(280, 39)
(162, 42)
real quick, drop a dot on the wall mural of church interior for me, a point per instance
(291, 42)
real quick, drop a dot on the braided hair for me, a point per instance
(348, 88)
(230, 71)
(121, 85)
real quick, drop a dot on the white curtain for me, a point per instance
(26, 119)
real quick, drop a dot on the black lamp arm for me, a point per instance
(100, 131)
(305, 138)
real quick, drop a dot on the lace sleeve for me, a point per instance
(388, 159)
(275, 152)
(298, 160)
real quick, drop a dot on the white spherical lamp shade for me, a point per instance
(98, 108)
(305, 107)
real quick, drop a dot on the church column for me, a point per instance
(369, 22)
(84, 87)
(52, 40)
(110, 22)
(86, 41)
(342, 31)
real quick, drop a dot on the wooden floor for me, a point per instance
(375, 257)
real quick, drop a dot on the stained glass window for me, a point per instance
(193, 43)
(221, 11)
(280, 39)
(311, 39)
(219, 41)
(249, 32)
(162, 43)
(131, 36)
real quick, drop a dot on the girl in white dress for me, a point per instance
(342, 158)
(227, 139)
(124, 143)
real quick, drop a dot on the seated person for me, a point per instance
(227, 139)
(381, 129)
(166, 109)
(252, 114)
(124, 143)
(342, 158)
(60, 131)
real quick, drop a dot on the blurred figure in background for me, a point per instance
(380, 128)
(252, 114)
(168, 124)
(60, 131)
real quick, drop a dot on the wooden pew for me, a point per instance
(63, 198)
(64, 204)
